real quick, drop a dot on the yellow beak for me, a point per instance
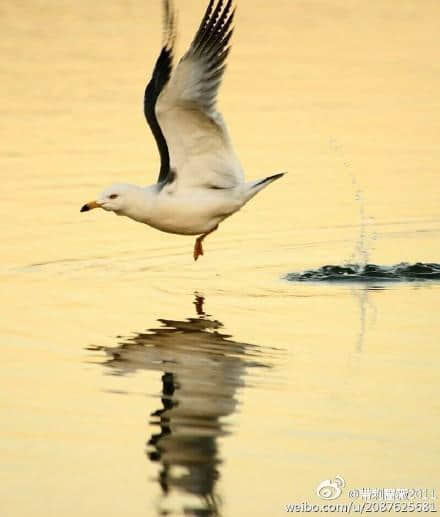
(89, 206)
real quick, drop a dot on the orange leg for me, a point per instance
(198, 248)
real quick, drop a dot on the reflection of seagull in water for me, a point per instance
(202, 368)
(201, 181)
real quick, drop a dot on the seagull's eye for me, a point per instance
(113, 196)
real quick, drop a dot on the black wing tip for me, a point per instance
(160, 77)
(215, 27)
(164, 63)
(169, 24)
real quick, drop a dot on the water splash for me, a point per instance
(402, 272)
(365, 241)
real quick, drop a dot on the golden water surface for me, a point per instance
(137, 382)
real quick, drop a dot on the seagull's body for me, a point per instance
(201, 181)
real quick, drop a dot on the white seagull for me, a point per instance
(201, 181)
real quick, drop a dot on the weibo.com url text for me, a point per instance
(363, 507)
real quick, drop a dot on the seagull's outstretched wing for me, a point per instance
(161, 76)
(200, 150)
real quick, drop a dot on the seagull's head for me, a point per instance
(118, 198)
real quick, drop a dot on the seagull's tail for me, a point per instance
(253, 187)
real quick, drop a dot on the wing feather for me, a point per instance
(161, 76)
(199, 146)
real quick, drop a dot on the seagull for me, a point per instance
(201, 181)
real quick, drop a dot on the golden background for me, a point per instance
(341, 94)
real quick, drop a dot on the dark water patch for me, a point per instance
(403, 272)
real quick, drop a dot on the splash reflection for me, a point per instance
(202, 370)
